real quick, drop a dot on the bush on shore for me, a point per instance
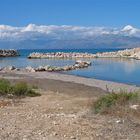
(113, 101)
(20, 89)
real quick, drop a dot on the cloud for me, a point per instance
(33, 31)
(130, 30)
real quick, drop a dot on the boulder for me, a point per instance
(9, 68)
(40, 68)
(30, 69)
(66, 68)
(46, 67)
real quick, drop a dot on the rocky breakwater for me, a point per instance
(78, 65)
(8, 53)
(128, 53)
(60, 55)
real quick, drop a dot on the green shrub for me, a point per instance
(5, 87)
(32, 93)
(19, 89)
(113, 99)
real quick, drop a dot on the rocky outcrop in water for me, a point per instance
(60, 55)
(78, 65)
(128, 53)
(8, 53)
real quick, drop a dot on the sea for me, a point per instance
(110, 69)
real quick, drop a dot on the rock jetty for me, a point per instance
(60, 55)
(78, 65)
(128, 53)
(8, 53)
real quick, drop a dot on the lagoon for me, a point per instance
(111, 69)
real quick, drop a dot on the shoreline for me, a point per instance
(102, 84)
(131, 84)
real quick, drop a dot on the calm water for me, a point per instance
(119, 70)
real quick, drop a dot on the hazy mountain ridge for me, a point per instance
(33, 36)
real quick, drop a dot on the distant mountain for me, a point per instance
(60, 37)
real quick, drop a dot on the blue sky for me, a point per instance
(110, 13)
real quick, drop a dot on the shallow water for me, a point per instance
(118, 70)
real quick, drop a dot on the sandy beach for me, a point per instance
(102, 84)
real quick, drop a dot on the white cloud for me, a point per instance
(130, 30)
(62, 32)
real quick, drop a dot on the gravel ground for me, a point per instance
(63, 112)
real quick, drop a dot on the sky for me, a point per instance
(108, 13)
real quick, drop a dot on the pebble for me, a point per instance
(73, 137)
(55, 123)
(119, 121)
(55, 134)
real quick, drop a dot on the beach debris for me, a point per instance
(135, 107)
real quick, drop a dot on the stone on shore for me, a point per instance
(40, 68)
(77, 65)
(30, 69)
(9, 68)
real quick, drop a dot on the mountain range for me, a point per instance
(68, 37)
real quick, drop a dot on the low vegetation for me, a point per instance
(114, 102)
(20, 89)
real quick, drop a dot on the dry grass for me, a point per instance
(120, 105)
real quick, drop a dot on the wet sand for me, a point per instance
(63, 79)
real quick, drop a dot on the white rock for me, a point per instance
(9, 68)
(73, 137)
(30, 69)
(135, 107)
(118, 121)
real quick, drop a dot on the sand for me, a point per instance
(102, 84)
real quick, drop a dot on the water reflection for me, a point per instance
(116, 69)
(113, 69)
